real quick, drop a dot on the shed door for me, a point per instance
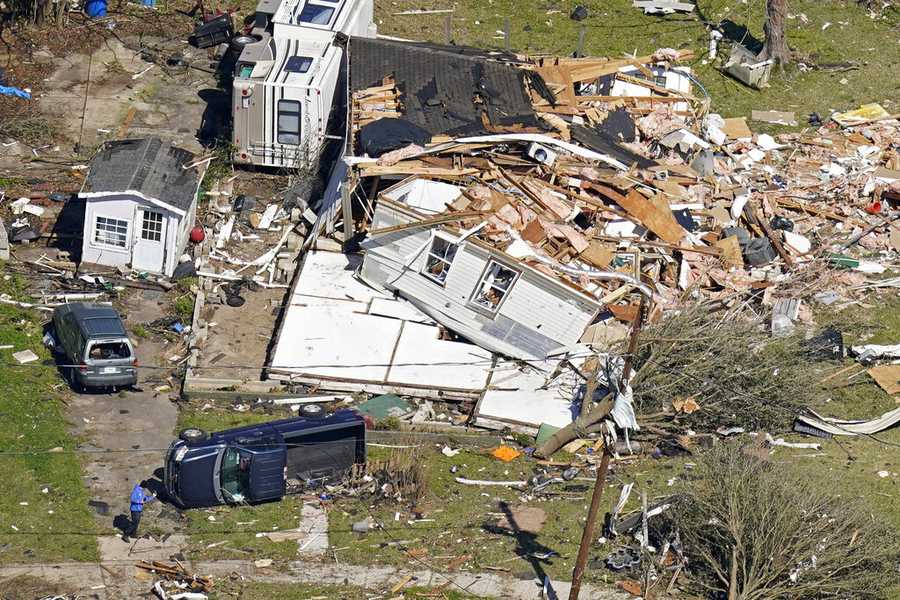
(149, 244)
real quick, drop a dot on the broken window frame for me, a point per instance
(486, 284)
(286, 108)
(111, 232)
(433, 258)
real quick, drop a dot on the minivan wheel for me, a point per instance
(312, 411)
(192, 435)
(73, 380)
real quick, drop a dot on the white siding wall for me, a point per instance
(117, 207)
(124, 207)
(547, 308)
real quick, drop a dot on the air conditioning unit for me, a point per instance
(541, 153)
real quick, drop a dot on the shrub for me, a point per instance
(759, 531)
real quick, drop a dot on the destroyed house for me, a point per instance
(478, 291)
(140, 204)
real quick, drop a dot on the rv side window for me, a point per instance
(298, 64)
(288, 122)
(439, 259)
(316, 14)
(494, 285)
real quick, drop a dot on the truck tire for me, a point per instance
(312, 411)
(192, 435)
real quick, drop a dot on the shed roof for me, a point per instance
(149, 166)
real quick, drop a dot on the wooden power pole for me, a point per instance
(588, 534)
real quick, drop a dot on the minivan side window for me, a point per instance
(67, 335)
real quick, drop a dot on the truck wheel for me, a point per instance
(192, 434)
(312, 411)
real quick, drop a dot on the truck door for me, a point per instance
(267, 473)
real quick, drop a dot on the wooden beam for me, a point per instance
(445, 218)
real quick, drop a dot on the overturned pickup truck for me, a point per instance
(263, 461)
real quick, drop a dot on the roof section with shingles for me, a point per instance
(148, 166)
(440, 84)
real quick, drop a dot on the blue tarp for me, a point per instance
(14, 91)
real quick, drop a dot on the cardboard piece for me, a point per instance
(888, 377)
(736, 128)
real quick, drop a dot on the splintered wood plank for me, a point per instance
(653, 213)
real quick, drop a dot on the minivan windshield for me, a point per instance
(114, 350)
(235, 474)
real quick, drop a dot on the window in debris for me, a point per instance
(495, 284)
(288, 122)
(439, 258)
(112, 232)
(151, 226)
(316, 14)
(298, 64)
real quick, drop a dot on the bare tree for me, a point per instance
(776, 44)
(755, 530)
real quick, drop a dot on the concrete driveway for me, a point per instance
(126, 433)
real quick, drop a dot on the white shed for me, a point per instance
(140, 204)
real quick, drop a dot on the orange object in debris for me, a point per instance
(505, 453)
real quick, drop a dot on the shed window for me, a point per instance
(494, 285)
(151, 226)
(288, 122)
(316, 14)
(439, 258)
(112, 232)
(298, 64)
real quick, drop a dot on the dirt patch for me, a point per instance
(27, 587)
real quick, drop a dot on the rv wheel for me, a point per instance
(192, 435)
(312, 411)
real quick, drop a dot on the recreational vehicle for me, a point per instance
(285, 83)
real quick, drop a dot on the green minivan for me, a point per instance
(95, 346)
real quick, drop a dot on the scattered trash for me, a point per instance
(25, 356)
(506, 453)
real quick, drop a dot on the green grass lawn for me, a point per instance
(615, 27)
(36, 525)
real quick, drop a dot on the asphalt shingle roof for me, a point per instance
(149, 166)
(440, 84)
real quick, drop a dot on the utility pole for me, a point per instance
(588, 534)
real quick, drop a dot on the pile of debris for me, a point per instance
(525, 207)
(177, 582)
(637, 189)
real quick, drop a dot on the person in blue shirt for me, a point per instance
(139, 497)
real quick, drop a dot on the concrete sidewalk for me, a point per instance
(113, 580)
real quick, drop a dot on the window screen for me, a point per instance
(112, 232)
(288, 122)
(494, 285)
(440, 257)
(151, 226)
(298, 64)
(316, 14)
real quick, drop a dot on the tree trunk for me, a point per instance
(776, 44)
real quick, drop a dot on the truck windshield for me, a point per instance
(235, 474)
